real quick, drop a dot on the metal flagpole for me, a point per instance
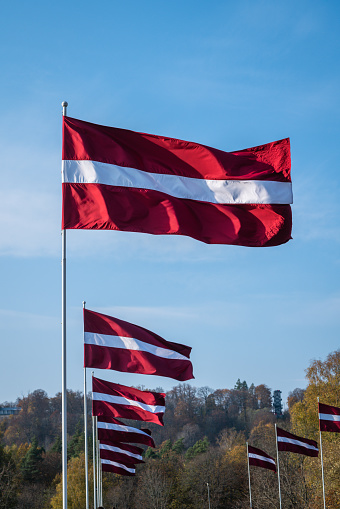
(208, 494)
(323, 475)
(94, 458)
(278, 466)
(63, 356)
(98, 463)
(85, 433)
(249, 476)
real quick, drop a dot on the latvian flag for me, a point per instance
(117, 468)
(111, 343)
(114, 179)
(258, 458)
(115, 431)
(292, 443)
(123, 453)
(329, 418)
(114, 400)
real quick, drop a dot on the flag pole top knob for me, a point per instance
(64, 104)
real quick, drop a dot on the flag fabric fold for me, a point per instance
(292, 443)
(258, 458)
(115, 179)
(117, 468)
(115, 431)
(115, 400)
(110, 343)
(122, 453)
(329, 418)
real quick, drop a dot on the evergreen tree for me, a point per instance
(30, 466)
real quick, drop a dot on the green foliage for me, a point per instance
(178, 446)
(199, 447)
(31, 464)
(76, 445)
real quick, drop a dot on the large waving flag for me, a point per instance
(115, 400)
(111, 343)
(329, 418)
(292, 443)
(259, 458)
(123, 453)
(117, 468)
(115, 431)
(115, 179)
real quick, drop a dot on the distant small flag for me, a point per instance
(111, 343)
(258, 458)
(329, 418)
(115, 400)
(117, 468)
(122, 453)
(115, 431)
(115, 179)
(292, 443)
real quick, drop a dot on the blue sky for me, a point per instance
(227, 74)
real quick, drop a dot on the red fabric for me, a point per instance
(121, 435)
(98, 206)
(116, 470)
(258, 462)
(104, 408)
(133, 361)
(120, 457)
(325, 425)
(286, 446)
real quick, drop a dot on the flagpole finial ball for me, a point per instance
(64, 104)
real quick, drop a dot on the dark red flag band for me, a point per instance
(110, 343)
(115, 400)
(329, 418)
(114, 430)
(292, 443)
(258, 458)
(122, 453)
(115, 179)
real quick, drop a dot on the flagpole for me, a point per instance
(85, 433)
(323, 475)
(249, 477)
(63, 356)
(94, 457)
(278, 466)
(98, 464)
(208, 494)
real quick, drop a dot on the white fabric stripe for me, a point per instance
(112, 448)
(297, 442)
(92, 338)
(119, 465)
(119, 427)
(329, 417)
(211, 191)
(262, 458)
(120, 400)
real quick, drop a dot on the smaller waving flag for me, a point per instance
(117, 468)
(329, 418)
(124, 453)
(111, 343)
(292, 443)
(258, 458)
(115, 400)
(115, 431)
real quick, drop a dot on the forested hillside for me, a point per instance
(203, 441)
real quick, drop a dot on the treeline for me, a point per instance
(202, 441)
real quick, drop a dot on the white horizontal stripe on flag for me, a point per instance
(119, 465)
(119, 427)
(112, 448)
(262, 458)
(206, 190)
(329, 417)
(105, 340)
(297, 442)
(120, 400)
